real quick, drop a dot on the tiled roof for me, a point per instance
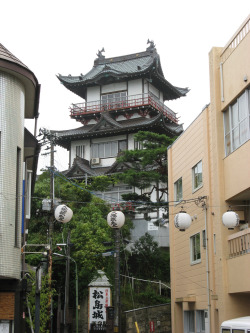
(7, 55)
(131, 64)
(139, 65)
(125, 126)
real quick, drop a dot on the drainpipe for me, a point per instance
(207, 269)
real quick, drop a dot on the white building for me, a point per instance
(19, 99)
(122, 95)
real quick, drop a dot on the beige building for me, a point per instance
(209, 171)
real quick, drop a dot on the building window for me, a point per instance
(18, 194)
(237, 123)
(138, 145)
(80, 151)
(195, 247)
(189, 326)
(201, 316)
(114, 100)
(28, 194)
(115, 193)
(197, 176)
(107, 149)
(178, 190)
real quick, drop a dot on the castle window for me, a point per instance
(114, 100)
(80, 151)
(108, 149)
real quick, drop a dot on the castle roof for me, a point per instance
(145, 65)
(107, 126)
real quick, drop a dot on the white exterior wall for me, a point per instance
(93, 94)
(135, 87)
(154, 91)
(109, 88)
(131, 141)
(145, 88)
(85, 143)
(12, 136)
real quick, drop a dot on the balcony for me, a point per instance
(239, 243)
(236, 39)
(141, 101)
(238, 263)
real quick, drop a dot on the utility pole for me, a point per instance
(67, 275)
(49, 138)
(117, 282)
(116, 220)
(51, 227)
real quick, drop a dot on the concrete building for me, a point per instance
(209, 171)
(121, 96)
(19, 149)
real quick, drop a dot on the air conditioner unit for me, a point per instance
(95, 161)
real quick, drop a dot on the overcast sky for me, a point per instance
(58, 36)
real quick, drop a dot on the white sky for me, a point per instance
(58, 36)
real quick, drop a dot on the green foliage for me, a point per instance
(101, 183)
(88, 227)
(148, 261)
(45, 296)
(148, 165)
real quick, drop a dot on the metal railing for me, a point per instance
(141, 100)
(236, 39)
(239, 243)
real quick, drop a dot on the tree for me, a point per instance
(148, 261)
(148, 166)
(88, 227)
(44, 299)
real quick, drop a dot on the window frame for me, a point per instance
(193, 246)
(112, 100)
(80, 150)
(106, 149)
(177, 187)
(189, 321)
(194, 173)
(200, 320)
(241, 109)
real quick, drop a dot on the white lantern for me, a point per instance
(230, 219)
(182, 221)
(63, 214)
(116, 219)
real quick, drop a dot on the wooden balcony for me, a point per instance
(238, 264)
(142, 101)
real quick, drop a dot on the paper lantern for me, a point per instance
(230, 219)
(182, 221)
(116, 219)
(63, 214)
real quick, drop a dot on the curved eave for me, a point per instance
(64, 140)
(104, 77)
(153, 72)
(30, 82)
(170, 92)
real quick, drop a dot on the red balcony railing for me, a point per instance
(134, 101)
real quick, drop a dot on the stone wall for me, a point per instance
(149, 319)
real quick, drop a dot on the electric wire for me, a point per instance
(130, 284)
